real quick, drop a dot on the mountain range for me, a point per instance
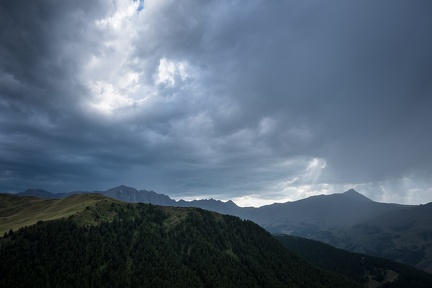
(116, 244)
(346, 220)
(90, 240)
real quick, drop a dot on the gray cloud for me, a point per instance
(258, 101)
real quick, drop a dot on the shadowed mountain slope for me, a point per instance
(366, 270)
(404, 236)
(318, 213)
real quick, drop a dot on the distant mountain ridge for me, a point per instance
(346, 220)
(40, 193)
(320, 212)
(129, 194)
(298, 217)
(104, 241)
(132, 195)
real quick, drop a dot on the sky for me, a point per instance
(254, 101)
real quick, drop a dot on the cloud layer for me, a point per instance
(258, 102)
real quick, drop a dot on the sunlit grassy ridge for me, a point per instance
(17, 212)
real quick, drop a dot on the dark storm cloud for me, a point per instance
(355, 74)
(267, 98)
(40, 56)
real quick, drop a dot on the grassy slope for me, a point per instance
(17, 212)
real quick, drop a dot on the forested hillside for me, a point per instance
(113, 244)
(366, 270)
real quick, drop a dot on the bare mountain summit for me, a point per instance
(354, 195)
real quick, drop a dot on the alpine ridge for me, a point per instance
(347, 220)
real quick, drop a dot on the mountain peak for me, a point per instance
(39, 193)
(354, 195)
(121, 188)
